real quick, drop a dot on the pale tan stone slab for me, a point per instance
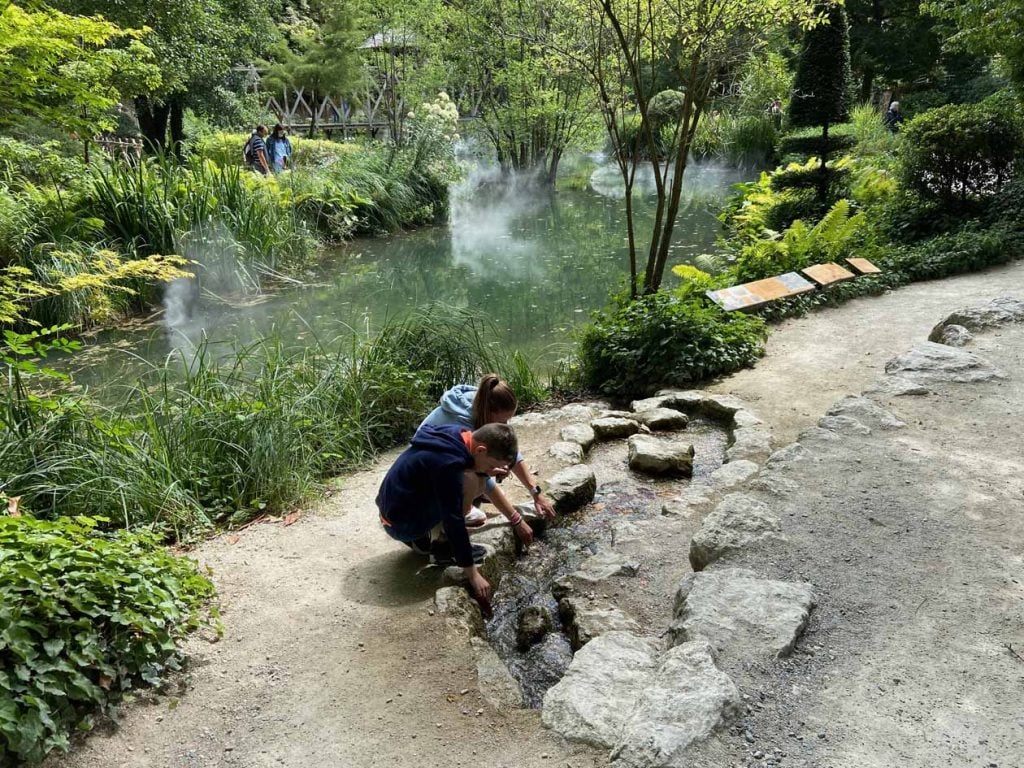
(750, 295)
(863, 266)
(826, 274)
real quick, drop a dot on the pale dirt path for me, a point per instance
(332, 656)
(814, 360)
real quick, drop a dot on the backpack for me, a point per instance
(248, 156)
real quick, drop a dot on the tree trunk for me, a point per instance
(177, 124)
(153, 118)
(865, 84)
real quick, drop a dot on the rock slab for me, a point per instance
(930, 362)
(664, 419)
(621, 693)
(739, 521)
(572, 488)
(660, 456)
(581, 434)
(614, 427)
(740, 614)
(585, 620)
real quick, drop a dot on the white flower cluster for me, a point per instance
(440, 113)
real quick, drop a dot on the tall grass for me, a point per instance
(220, 438)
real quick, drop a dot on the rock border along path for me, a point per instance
(647, 699)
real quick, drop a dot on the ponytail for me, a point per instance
(492, 395)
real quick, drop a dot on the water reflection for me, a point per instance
(536, 263)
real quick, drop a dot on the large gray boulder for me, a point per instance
(621, 693)
(739, 521)
(584, 620)
(581, 434)
(929, 362)
(664, 419)
(997, 312)
(572, 488)
(740, 614)
(597, 695)
(686, 700)
(660, 456)
(614, 427)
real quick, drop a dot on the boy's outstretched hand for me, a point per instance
(480, 587)
(524, 532)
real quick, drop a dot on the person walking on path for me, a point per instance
(430, 488)
(491, 401)
(255, 151)
(893, 117)
(279, 149)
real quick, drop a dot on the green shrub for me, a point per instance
(960, 153)
(45, 163)
(226, 149)
(808, 142)
(84, 617)
(662, 340)
(967, 250)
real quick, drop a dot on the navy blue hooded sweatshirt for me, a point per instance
(424, 488)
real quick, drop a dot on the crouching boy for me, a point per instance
(431, 487)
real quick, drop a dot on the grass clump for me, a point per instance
(85, 616)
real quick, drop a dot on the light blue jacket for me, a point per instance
(457, 408)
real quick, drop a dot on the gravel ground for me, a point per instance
(333, 657)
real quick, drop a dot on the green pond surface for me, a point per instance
(535, 263)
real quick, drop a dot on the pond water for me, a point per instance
(536, 263)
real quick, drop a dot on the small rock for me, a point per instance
(572, 488)
(534, 624)
(581, 434)
(733, 474)
(570, 453)
(737, 522)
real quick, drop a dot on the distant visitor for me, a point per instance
(893, 117)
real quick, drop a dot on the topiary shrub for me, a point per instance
(663, 340)
(959, 153)
(84, 617)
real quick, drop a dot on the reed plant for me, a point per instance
(231, 433)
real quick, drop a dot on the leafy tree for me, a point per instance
(196, 44)
(69, 71)
(319, 56)
(892, 40)
(531, 106)
(821, 86)
(625, 48)
(985, 27)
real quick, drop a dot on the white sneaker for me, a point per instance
(475, 518)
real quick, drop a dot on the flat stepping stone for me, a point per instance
(733, 474)
(760, 292)
(863, 266)
(614, 427)
(662, 419)
(660, 456)
(749, 443)
(740, 614)
(827, 274)
(992, 314)
(694, 500)
(737, 523)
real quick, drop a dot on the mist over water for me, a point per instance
(535, 262)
